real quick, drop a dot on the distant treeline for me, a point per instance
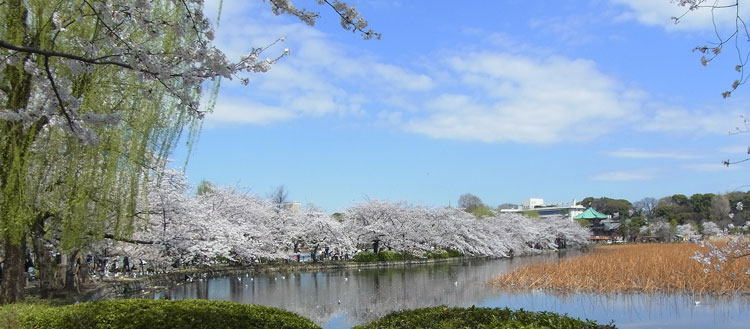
(724, 209)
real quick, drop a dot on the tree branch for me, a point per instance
(133, 241)
(57, 95)
(52, 53)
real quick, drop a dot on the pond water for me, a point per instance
(343, 298)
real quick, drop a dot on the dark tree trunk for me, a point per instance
(71, 273)
(43, 261)
(376, 246)
(314, 254)
(14, 277)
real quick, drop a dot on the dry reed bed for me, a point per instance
(632, 268)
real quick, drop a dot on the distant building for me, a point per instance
(603, 227)
(537, 207)
(532, 203)
(293, 206)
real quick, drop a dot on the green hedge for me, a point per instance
(161, 314)
(454, 253)
(438, 254)
(390, 256)
(12, 314)
(365, 256)
(442, 317)
(383, 256)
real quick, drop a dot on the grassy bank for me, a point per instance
(395, 256)
(207, 314)
(153, 314)
(631, 268)
(488, 318)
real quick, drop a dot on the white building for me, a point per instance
(293, 206)
(539, 207)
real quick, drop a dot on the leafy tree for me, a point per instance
(205, 187)
(93, 95)
(608, 206)
(680, 200)
(701, 203)
(482, 211)
(631, 227)
(674, 209)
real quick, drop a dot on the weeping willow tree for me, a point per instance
(93, 95)
(78, 138)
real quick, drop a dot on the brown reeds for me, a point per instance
(632, 268)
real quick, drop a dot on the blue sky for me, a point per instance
(503, 99)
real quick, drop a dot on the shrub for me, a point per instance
(365, 256)
(162, 314)
(437, 254)
(454, 253)
(11, 315)
(389, 256)
(442, 317)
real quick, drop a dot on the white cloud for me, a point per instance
(244, 111)
(624, 176)
(660, 13)
(643, 154)
(482, 96)
(521, 99)
(678, 120)
(319, 77)
(734, 149)
(710, 167)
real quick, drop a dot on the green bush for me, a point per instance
(389, 256)
(454, 253)
(161, 314)
(365, 256)
(11, 315)
(438, 254)
(442, 317)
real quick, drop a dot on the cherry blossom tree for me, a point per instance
(416, 229)
(687, 231)
(711, 229)
(312, 228)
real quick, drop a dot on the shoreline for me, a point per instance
(116, 288)
(144, 286)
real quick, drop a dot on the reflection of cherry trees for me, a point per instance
(359, 294)
(223, 224)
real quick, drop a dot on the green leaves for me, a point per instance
(163, 314)
(442, 317)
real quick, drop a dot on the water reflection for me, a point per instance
(343, 298)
